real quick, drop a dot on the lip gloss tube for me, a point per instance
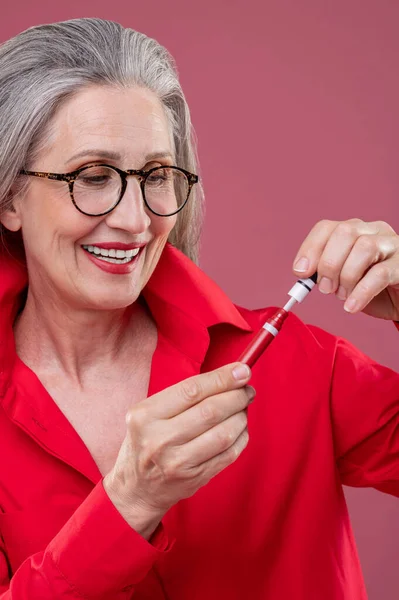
(264, 337)
(270, 329)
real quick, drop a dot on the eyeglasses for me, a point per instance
(96, 190)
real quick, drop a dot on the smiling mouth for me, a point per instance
(111, 255)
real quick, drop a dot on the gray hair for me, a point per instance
(45, 65)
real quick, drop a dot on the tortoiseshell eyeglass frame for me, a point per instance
(71, 177)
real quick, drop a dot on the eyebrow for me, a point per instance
(107, 154)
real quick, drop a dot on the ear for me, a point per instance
(11, 218)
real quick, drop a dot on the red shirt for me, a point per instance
(272, 526)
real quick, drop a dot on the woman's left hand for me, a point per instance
(357, 261)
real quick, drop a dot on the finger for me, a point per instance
(305, 263)
(367, 251)
(315, 243)
(374, 282)
(214, 441)
(343, 240)
(191, 391)
(217, 464)
(209, 413)
(334, 255)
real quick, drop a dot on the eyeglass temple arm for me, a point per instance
(54, 176)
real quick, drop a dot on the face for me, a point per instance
(123, 128)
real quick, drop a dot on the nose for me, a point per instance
(130, 214)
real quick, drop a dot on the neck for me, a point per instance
(54, 338)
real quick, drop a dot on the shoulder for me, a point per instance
(305, 342)
(297, 345)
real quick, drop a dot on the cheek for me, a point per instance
(160, 229)
(162, 226)
(51, 222)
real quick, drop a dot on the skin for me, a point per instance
(67, 293)
(177, 440)
(357, 261)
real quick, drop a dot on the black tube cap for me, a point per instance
(314, 277)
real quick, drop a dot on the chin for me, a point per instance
(117, 301)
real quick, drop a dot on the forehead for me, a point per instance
(130, 122)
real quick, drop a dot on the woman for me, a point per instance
(122, 403)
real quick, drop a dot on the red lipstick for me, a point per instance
(111, 267)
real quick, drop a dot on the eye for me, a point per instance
(94, 179)
(159, 177)
(96, 176)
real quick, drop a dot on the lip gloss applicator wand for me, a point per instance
(270, 329)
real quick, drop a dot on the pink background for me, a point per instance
(296, 110)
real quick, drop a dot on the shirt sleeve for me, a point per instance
(365, 417)
(96, 555)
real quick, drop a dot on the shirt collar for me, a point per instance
(183, 300)
(186, 303)
(13, 282)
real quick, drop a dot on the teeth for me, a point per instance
(115, 261)
(113, 253)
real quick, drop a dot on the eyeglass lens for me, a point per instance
(97, 189)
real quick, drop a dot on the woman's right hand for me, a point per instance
(176, 441)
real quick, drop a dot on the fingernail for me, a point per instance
(241, 372)
(302, 265)
(325, 285)
(350, 305)
(251, 394)
(342, 293)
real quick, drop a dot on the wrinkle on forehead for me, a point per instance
(129, 121)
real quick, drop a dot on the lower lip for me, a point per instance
(122, 269)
